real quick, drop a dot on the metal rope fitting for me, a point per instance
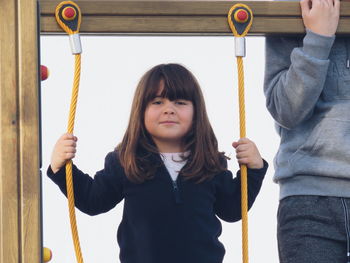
(75, 44)
(240, 46)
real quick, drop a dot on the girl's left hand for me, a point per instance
(247, 153)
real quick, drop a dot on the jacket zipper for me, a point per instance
(176, 193)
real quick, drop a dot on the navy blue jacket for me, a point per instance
(163, 221)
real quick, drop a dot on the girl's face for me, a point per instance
(168, 121)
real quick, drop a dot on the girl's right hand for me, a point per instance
(64, 151)
(247, 153)
(321, 16)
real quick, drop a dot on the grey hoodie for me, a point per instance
(307, 89)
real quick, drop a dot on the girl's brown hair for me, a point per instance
(138, 153)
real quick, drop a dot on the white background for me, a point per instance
(111, 68)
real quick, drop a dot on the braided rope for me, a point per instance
(69, 173)
(242, 126)
(70, 129)
(244, 183)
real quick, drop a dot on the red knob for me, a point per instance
(241, 16)
(69, 13)
(44, 72)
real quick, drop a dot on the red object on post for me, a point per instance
(241, 16)
(44, 72)
(69, 13)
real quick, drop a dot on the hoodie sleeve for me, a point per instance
(94, 195)
(295, 74)
(228, 192)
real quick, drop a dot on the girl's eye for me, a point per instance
(157, 102)
(181, 102)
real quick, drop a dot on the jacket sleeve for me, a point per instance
(94, 195)
(228, 192)
(295, 76)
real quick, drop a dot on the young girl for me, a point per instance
(169, 172)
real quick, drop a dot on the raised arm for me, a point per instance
(296, 70)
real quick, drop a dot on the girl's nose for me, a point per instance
(169, 109)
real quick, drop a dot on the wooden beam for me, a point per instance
(182, 17)
(20, 224)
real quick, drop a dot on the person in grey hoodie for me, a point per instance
(307, 89)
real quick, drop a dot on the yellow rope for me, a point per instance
(70, 129)
(244, 183)
(69, 174)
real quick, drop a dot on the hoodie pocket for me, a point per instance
(326, 150)
(308, 146)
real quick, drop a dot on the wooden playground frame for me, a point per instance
(20, 189)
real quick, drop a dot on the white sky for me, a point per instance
(111, 68)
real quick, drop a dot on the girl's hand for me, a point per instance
(64, 151)
(321, 16)
(247, 153)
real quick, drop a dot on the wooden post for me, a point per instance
(20, 223)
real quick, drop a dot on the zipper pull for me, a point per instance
(177, 194)
(347, 63)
